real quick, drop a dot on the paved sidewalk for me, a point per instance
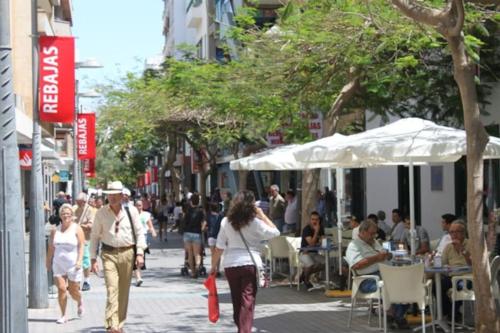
(168, 302)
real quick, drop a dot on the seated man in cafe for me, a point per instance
(364, 255)
(312, 262)
(446, 220)
(455, 254)
(380, 232)
(422, 241)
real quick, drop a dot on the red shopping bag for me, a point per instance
(213, 298)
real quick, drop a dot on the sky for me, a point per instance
(120, 34)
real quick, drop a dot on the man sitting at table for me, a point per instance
(446, 220)
(312, 261)
(364, 255)
(455, 254)
(422, 242)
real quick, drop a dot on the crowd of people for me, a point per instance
(121, 230)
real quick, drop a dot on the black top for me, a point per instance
(308, 231)
(193, 219)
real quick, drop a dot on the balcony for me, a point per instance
(62, 28)
(195, 12)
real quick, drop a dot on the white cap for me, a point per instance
(126, 192)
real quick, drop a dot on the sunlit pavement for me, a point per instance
(169, 302)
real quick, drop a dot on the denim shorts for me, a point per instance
(192, 237)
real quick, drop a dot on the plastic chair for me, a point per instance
(293, 258)
(465, 294)
(279, 250)
(396, 292)
(356, 294)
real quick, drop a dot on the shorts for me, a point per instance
(311, 259)
(73, 274)
(212, 241)
(192, 237)
(86, 255)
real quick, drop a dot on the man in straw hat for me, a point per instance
(118, 229)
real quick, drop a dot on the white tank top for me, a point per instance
(66, 246)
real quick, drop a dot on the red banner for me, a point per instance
(141, 181)
(155, 174)
(25, 157)
(147, 178)
(89, 167)
(85, 135)
(57, 79)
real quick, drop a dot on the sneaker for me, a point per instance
(309, 286)
(138, 283)
(85, 286)
(61, 320)
(80, 310)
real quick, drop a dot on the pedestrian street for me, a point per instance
(169, 302)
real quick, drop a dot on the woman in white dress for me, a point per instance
(64, 258)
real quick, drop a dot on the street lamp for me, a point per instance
(89, 63)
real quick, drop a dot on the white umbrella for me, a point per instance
(281, 158)
(405, 142)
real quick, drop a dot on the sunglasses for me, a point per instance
(117, 226)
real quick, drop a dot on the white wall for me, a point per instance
(436, 203)
(382, 190)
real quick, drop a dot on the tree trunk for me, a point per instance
(242, 179)
(477, 138)
(310, 185)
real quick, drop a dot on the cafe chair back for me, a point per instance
(396, 289)
(357, 295)
(293, 259)
(461, 290)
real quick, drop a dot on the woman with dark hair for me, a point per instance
(194, 222)
(244, 223)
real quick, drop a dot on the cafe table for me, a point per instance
(438, 271)
(326, 250)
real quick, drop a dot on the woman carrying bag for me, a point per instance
(244, 223)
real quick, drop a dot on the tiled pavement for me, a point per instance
(168, 302)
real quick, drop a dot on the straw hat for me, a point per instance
(115, 187)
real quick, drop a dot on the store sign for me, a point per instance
(315, 126)
(85, 136)
(57, 79)
(63, 176)
(25, 157)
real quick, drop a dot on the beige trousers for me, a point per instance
(117, 265)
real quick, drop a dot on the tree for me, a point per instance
(449, 21)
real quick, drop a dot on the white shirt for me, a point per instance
(355, 233)
(358, 250)
(443, 242)
(399, 232)
(235, 251)
(291, 213)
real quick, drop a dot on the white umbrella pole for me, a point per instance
(412, 210)
(340, 196)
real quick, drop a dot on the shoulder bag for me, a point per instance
(133, 233)
(260, 274)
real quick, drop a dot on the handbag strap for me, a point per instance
(248, 249)
(131, 224)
